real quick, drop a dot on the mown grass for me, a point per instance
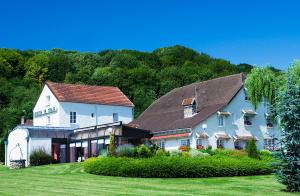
(69, 179)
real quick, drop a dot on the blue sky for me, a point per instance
(256, 32)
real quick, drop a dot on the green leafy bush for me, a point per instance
(252, 150)
(143, 151)
(197, 153)
(40, 157)
(161, 152)
(177, 167)
(125, 150)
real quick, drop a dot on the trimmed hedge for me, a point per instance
(176, 167)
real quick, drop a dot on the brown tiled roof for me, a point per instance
(106, 95)
(166, 113)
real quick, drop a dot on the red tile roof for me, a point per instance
(170, 136)
(106, 95)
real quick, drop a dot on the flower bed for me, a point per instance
(176, 167)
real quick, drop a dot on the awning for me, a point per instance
(222, 136)
(170, 136)
(249, 112)
(244, 137)
(224, 113)
(202, 135)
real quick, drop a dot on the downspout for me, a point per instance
(5, 144)
(27, 153)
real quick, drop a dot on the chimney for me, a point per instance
(22, 120)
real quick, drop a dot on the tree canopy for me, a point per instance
(142, 76)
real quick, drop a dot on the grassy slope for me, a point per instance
(69, 179)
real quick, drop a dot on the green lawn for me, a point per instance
(69, 179)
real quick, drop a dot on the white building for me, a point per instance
(73, 122)
(214, 113)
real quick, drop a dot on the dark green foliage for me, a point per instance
(252, 149)
(288, 110)
(142, 76)
(40, 157)
(177, 167)
(143, 151)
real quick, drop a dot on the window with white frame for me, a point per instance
(269, 144)
(73, 117)
(269, 122)
(220, 121)
(185, 142)
(48, 120)
(220, 143)
(115, 117)
(199, 142)
(161, 144)
(247, 120)
(47, 100)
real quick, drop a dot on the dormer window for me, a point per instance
(269, 120)
(190, 107)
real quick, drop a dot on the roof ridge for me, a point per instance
(71, 84)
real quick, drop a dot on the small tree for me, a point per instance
(288, 111)
(252, 150)
(112, 145)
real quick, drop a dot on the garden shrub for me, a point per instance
(230, 152)
(143, 151)
(161, 152)
(153, 148)
(176, 167)
(112, 145)
(252, 150)
(175, 152)
(197, 153)
(185, 154)
(40, 157)
(125, 150)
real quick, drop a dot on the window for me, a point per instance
(194, 108)
(161, 144)
(237, 145)
(73, 117)
(185, 142)
(247, 120)
(199, 142)
(115, 117)
(220, 143)
(246, 95)
(48, 120)
(220, 121)
(269, 144)
(48, 100)
(269, 123)
(92, 115)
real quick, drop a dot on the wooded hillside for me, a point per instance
(142, 76)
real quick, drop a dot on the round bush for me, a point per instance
(176, 167)
(40, 157)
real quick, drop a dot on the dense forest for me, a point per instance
(142, 76)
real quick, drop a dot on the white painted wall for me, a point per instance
(232, 124)
(42, 104)
(102, 113)
(235, 123)
(17, 137)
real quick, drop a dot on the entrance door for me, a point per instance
(62, 153)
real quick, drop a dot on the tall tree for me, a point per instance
(261, 84)
(288, 110)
